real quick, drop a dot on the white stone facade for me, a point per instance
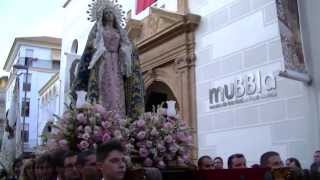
(237, 38)
(49, 96)
(45, 63)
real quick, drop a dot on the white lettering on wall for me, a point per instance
(251, 86)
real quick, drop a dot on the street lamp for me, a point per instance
(24, 67)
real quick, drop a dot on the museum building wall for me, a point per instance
(239, 40)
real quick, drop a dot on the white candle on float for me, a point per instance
(171, 108)
(81, 98)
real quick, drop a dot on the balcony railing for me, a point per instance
(39, 63)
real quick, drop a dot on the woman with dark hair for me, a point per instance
(295, 166)
(293, 163)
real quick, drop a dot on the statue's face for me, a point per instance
(108, 16)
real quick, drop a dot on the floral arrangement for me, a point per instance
(157, 139)
(153, 140)
(85, 128)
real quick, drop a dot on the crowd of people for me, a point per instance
(108, 162)
(270, 159)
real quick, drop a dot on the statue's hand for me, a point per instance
(96, 57)
(91, 64)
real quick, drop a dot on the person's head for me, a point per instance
(111, 160)
(28, 169)
(218, 163)
(293, 163)
(205, 163)
(152, 173)
(87, 162)
(71, 171)
(316, 156)
(45, 167)
(236, 161)
(17, 166)
(37, 171)
(271, 160)
(255, 166)
(58, 162)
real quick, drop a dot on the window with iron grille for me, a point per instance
(27, 84)
(25, 108)
(28, 57)
(25, 133)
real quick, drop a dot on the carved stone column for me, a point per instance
(186, 74)
(183, 7)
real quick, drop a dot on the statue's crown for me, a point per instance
(97, 7)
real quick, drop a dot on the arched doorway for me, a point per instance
(158, 93)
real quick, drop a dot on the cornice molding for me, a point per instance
(159, 27)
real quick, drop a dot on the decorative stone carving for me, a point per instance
(156, 24)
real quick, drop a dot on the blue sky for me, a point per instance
(27, 18)
(21, 18)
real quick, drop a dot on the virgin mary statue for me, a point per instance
(109, 69)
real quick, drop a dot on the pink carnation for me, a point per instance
(117, 134)
(97, 136)
(173, 148)
(79, 135)
(122, 122)
(154, 132)
(86, 136)
(66, 115)
(168, 125)
(141, 123)
(182, 136)
(161, 148)
(168, 139)
(106, 137)
(83, 145)
(141, 135)
(168, 157)
(106, 124)
(80, 128)
(143, 152)
(81, 118)
(141, 144)
(149, 144)
(161, 164)
(87, 129)
(97, 128)
(129, 146)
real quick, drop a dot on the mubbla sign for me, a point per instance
(250, 86)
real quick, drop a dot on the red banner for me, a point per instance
(143, 4)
